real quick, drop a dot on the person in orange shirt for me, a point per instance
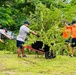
(66, 35)
(73, 32)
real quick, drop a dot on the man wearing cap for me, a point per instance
(22, 36)
(3, 31)
(73, 35)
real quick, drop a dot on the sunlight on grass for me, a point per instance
(10, 64)
(2, 74)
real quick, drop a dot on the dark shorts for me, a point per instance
(73, 42)
(19, 43)
(68, 40)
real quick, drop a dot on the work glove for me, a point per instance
(37, 35)
(4, 42)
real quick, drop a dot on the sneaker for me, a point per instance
(71, 55)
(24, 56)
(19, 56)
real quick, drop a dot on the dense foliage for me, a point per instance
(46, 18)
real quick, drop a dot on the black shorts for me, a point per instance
(68, 40)
(19, 43)
(73, 42)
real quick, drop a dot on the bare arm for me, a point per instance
(1, 40)
(34, 33)
(7, 36)
(66, 24)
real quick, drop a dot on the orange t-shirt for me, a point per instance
(66, 32)
(73, 30)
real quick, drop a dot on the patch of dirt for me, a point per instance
(9, 73)
(2, 66)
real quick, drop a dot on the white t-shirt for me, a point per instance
(23, 33)
(2, 31)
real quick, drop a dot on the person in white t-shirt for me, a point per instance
(22, 36)
(3, 31)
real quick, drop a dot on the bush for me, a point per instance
(11, 46)
(2, 46)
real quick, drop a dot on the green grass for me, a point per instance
(10, 64)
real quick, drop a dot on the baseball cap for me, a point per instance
(27, 22)
(74, 21)
(5, 29)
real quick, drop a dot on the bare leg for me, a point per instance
(68, 47)
(1, 40)
(22, 50)
(18, 51)
(72, 51)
